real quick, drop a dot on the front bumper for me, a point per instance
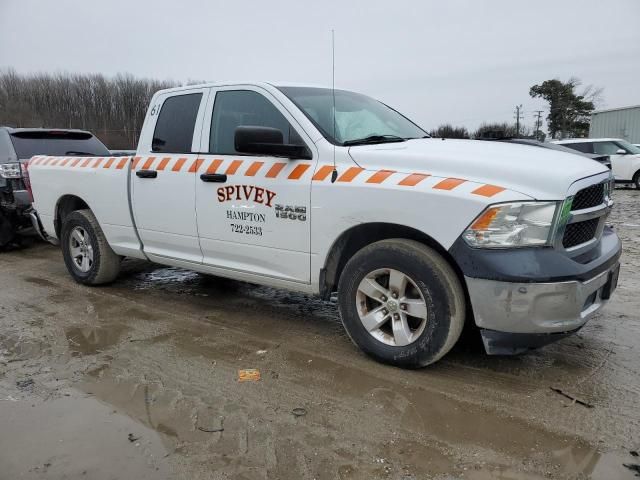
(514, 317)
(525, 298)
(539, 307)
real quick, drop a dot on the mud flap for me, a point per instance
(505, 343)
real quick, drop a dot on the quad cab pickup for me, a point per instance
(275, 185)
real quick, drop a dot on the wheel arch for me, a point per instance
(357, 237)
(64, 206)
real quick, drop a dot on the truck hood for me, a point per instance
(540, 173)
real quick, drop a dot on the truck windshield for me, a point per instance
(56, 142)
(358, 118)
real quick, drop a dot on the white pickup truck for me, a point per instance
(294, 187)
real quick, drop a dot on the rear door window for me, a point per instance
(176, 123)
(54, 142)
(584, 147)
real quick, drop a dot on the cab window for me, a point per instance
(176, 123)
(235, 108)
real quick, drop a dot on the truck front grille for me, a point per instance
(589, 208)
(589, 197)
(579, 233)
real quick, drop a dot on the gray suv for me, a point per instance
(17, 146)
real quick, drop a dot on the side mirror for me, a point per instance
(267, 141)
(621, 151)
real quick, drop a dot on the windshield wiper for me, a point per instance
(374, 139)
(78, 152)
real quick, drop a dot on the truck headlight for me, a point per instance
(508, 225)
(10, 170)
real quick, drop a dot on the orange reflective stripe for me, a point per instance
(75, 162)
(275, 170)
(163, 164)
(86, 162)
(233, 168)
(195, 165)
(122, 163)
(148, 163)
(380, 176)
(97, 163)
(297, 172)
(109, 162)
(488, 190)
(449, 183)
(65, 161)
(178, 165)
(215, 165)
(135, 162)
(413, 179)
(253, 169)
(350, 174)
(55, 161)
(322, 173)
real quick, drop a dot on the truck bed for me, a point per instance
(102, 180)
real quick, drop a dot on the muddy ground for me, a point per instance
(140, 380)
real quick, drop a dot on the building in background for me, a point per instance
(616, 123)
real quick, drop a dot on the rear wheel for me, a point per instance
(636, 179)
(401, 303)
(87, 255)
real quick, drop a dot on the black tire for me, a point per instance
(636, 179)
(105, 265)
(437, 282)
(7, 230)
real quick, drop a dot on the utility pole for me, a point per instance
(518, 117)
(538, 116)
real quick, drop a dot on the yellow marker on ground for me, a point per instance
(249, 375)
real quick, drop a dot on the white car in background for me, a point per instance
(625, 157)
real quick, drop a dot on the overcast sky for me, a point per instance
(456, 61)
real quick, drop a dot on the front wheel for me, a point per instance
(636, 180)
(87, 255)
(401, 303)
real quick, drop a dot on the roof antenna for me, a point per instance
(334, 174)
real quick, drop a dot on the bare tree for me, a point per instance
(112, 108)
(449, 131)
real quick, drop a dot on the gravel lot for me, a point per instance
(140, 380)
